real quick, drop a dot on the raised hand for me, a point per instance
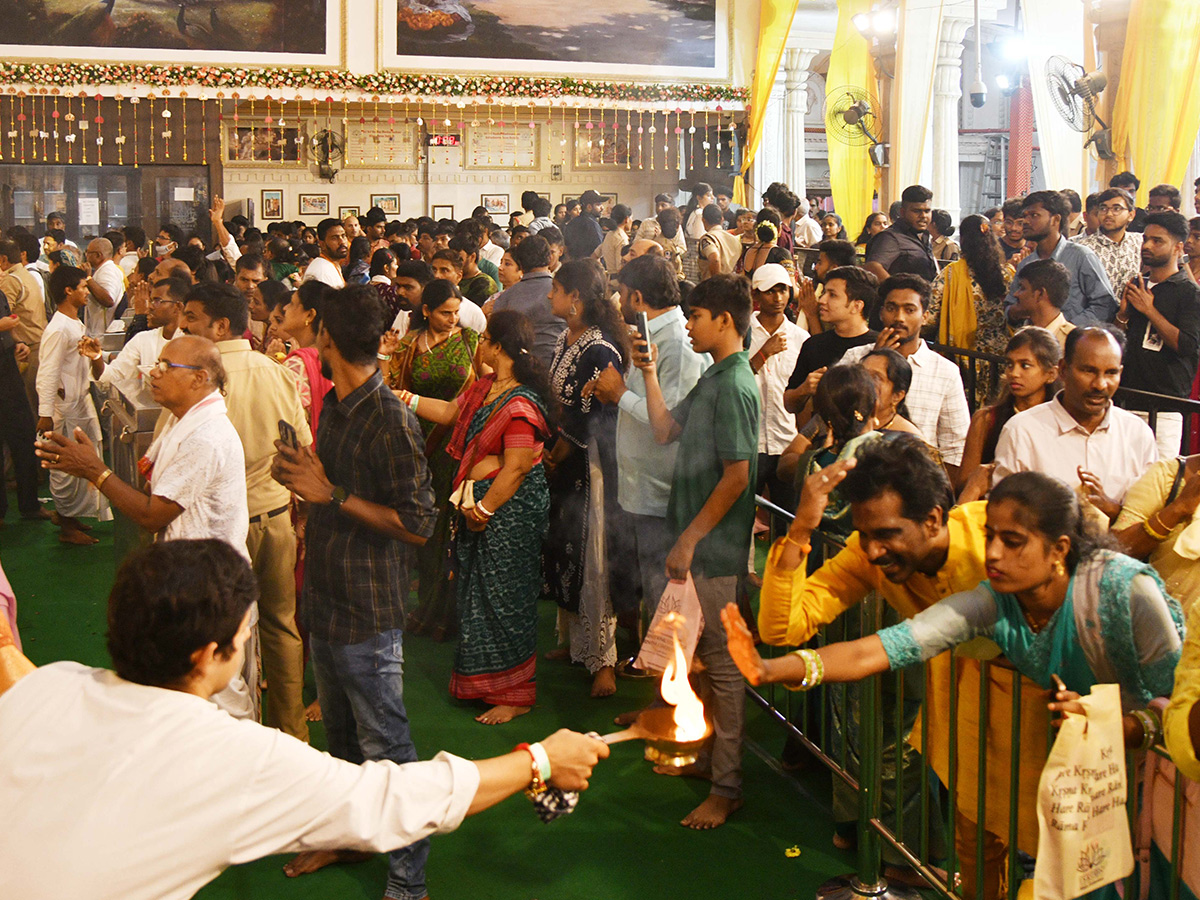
(741, 645)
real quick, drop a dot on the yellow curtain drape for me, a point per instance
(774, 23)
(1156, 115)
(851, 173)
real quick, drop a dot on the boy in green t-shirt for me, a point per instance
(711, 509)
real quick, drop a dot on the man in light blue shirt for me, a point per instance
(531, 296)
(644, 467)
(1091, 300)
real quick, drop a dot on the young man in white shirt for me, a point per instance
(65, 401)
(143, 349)
(936, 398)
(106, 287)
(96, 760)
(775, 344)
(1040, 292)
(1079, 437)
(335, 251)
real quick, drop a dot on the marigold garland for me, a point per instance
(61, 75)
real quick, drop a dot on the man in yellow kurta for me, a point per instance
(914, 548)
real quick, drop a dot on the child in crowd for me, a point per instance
(711, 510)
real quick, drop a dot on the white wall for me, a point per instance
(439, 182)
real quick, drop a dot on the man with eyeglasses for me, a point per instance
(195, 470)
(164, 309)
(1119, 249)
(1164, 198)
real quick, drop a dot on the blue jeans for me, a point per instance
(361, 689)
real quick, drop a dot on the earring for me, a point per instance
(1059, 569)
(573, 310)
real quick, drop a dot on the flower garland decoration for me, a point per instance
(64, 74)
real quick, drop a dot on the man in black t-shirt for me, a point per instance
(903, 247)
(845, 305)
(1160, 313)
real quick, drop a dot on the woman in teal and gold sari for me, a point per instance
(435, 359)
(500, 428)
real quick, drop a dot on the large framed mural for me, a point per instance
(632, 40)
(245, 32)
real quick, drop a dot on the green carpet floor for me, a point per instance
(623, 842)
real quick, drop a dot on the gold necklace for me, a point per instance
(501, 386)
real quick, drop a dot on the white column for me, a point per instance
(947, 92)
(768, 162)
(795, 87)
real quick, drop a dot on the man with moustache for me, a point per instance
(1160, 313)
(1091, 299)
(260, 394)
(903, 247)
(936, 400)
(335, 250)
(144, 348)
(1079, 436)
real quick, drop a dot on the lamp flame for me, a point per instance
(676, 690)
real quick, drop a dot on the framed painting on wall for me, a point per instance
(346, 211)
(245, 32)
(609, 149)
(495, 204)
(389, 203)
(313, 204)
(254, 142)
(443, 211)
(503, 147)
(606, 39)
(271, 208)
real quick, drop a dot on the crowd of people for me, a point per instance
(377, 429)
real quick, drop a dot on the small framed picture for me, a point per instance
(443, 212)
(544, 196)
(272, 205)
(389, 203)
(314, 204)
(495, 204)
(346, 211)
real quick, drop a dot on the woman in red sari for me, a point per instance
(301, 322)
(500, 429)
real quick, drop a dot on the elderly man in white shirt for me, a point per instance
(106, 287)
(142, 350)
(775, 343)
(936, 399)
(1079, 437)
(127, 785)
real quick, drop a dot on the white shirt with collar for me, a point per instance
(97, 318)
(492, 253)
(321, 269)
(1047, 439)
(776, 426)
(936, 399)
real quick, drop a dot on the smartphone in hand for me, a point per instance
(287, 434)
(643, 327)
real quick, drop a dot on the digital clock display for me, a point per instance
(445, 140)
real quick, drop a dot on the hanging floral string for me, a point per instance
(399, 83)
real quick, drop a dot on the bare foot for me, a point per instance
(558, 653)
(712, 813)
(311, 860)
(627, 718)
(695, 770)
(604, 683)
(498, 715)
(312, 712)
(78, 538)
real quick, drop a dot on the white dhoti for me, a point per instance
(78, 497)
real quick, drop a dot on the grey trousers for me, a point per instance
(721, 688)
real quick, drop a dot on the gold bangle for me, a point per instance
(103, 478)
(1149, 529)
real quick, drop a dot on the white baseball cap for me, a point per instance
(768, 275)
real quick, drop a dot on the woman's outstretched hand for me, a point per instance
(741, 645)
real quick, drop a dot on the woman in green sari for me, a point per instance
(435, 359)
(501, 510)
